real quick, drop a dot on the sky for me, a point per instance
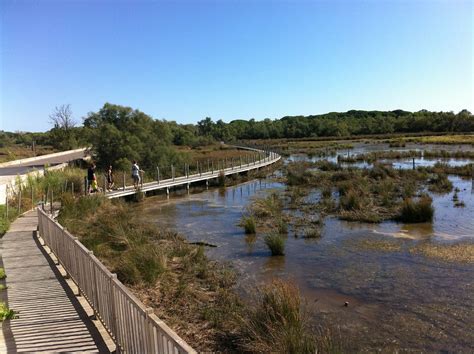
(226, 59)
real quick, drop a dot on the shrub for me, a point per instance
(417, 211)
(276, 244)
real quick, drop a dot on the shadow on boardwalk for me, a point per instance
(50, 317)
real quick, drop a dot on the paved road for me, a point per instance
(38, 164)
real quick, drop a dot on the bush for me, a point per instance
(417, 211)
(276, 244)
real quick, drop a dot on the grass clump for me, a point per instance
(3, 275)
(5, 312)
(275, 243)
(3, 287)
(276, 322)
(440, 183)
(415, 211)
(249, 224)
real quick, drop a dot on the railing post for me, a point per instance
(158, 174)
(112, 279)
(123, 186)
(19, 199)
(172, 172)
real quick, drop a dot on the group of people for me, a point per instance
(93, 186)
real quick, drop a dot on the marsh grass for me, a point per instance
(415, 211)
(249, 224)
(440, 183)
(275, 243)
(276, 322)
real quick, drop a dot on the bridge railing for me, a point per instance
(133, 327)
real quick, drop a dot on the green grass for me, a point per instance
(3, 275)
(275, 243)
(3, 287)
(5, 312)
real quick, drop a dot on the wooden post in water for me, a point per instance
(413, 163)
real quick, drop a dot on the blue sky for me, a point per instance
(185, 60)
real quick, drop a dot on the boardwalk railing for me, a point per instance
(134, 328)
(259, 159)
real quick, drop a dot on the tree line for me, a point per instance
(121, 134)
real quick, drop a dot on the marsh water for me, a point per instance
(398, 298)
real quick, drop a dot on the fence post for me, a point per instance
(51, 201)
(19, 200)
(158, 174)
(123, 187)
(172, 172)
(6, 201)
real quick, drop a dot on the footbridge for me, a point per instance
(257, 159)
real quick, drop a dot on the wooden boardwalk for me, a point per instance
(51, 318)
(269, 159)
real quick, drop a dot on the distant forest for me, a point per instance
(120, 134)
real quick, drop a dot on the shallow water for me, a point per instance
(397, 298)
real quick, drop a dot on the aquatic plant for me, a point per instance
(440, 183)
(414, 211)
(249, 224)
(275, 243)
(276, 322)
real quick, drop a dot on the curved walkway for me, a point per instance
(202, 176)
(50, 317)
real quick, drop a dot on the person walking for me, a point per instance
(136, 175)
(91, 177)
(110, 179)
